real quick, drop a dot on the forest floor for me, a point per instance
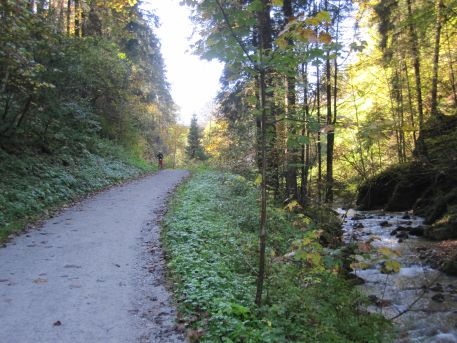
(94, 273)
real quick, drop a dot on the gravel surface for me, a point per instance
(94, 273)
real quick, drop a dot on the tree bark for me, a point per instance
(436, 57)
(77, 18)
(416, 64)
(319, 144)
(68, 17)
(305, 131)
(330, 134)
(264, 29)
(290, 101)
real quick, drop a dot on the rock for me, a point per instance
(406, 216)
(402, 235)
(385, 223)
(358, 216)
(439, 298)
(358, 226)
(437, 288)
(450, 266)
(416, 231)
(355, 280)
(394, 232)
(378, 301)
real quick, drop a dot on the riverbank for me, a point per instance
(211, 243)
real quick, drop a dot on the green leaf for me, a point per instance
(390, 267)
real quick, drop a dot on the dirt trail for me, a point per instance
(93, 273)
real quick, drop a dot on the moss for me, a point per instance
(450, 266)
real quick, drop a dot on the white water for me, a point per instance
(428, 296)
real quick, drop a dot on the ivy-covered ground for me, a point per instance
(210, 238)
(33, 183)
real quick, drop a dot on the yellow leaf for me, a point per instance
(388, 252)
(278, 3)
(282, 43)
(292, 205)
(325, 38)
(307, 35)
(258, 180)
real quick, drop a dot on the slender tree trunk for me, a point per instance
(359, 143)
(61, 16)
(421, 149)
(331, 119)
(290, 154)
(451, 70)
(436, 57)
(264, 29)
(319, 143)
(410, 103)
(305, 131)
(68, 17)
(330, 134)
(77, 18)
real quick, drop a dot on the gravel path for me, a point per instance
(94, 273)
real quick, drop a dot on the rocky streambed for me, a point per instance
(398, 269)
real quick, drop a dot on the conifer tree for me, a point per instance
(194, 149)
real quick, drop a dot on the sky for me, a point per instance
(194, 82)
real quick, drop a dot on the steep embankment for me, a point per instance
(426, 185)
(33, 182)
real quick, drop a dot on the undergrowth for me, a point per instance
(210, 238)
(32, 183)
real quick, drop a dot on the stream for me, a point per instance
(423, 298)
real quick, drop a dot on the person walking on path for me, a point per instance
(160, 158)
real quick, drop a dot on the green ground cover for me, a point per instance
(33, 183)
(210, 238)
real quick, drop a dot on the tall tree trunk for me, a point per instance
(330, 134)
(421, 149)
(61, 16)
(331, 119)
(410, 103)
(436, 57)
(319, 143)
(305, 132)
(264, 35)
(77, 18)
(289, 83)
(68, 17)
(451, 70)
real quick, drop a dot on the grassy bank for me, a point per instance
(211, 240)
(33, 183)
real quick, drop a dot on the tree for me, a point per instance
(194, 149)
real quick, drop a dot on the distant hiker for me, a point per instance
(160, 158)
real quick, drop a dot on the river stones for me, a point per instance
(358, 226)
(439, 298)
(385, 223)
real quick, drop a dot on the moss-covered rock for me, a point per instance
(450, 266)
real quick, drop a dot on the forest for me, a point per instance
(325, 105)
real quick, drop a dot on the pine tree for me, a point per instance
(194, 150)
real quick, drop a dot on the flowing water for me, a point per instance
(422, 300)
